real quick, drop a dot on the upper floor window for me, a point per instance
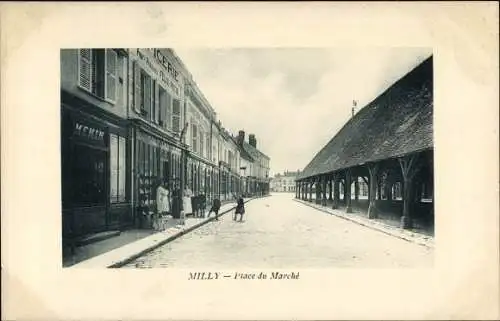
(194, 137)
(208, 146)
(98, 72)
(165, 102)
(202, 149)
(145, 96)
(176, 115)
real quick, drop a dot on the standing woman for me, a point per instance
(162, 198)
(240, 208)
(176, 199)
(186, 201)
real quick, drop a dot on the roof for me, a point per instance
(396, 123)
(243, 152)
(227, 136)
(254, 152)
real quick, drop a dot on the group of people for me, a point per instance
(240, 208)
(167, 202)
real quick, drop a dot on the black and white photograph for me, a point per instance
(173, 158)
(250, 160)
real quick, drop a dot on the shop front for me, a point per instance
(157, 161)
(94, 172)
(201, 179)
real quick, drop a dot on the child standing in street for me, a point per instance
(240, 208)
(215, 208)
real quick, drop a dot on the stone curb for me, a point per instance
(135, 256)
(382, 229)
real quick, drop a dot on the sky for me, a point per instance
(294, 100)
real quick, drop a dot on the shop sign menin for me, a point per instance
(88, 132)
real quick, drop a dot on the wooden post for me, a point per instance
(410, 165)
(310, 190)
(372, 208)
(336, 191)
(347, 190)
(317, 190)
(330, 185)
(356, 188)
(323, 189)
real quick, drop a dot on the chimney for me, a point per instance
(252, 141)
(241, 137)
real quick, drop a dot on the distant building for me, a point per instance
(284, 182)
(254, 165)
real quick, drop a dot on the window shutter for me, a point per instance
(137, 87)
(111, 74)
(168, 111)
(176, 116)
(157, 103)
(161, 106)
(153, 100)
(85, 66)
(147, 94)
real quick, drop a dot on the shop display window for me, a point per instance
(89, 176)
(117, 165)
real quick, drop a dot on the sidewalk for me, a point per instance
(411, 236)
(125, 248)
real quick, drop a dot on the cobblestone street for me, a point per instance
(278, 232)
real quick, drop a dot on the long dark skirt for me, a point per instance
(240, 210)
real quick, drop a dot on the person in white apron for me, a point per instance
(186, 201)
(162, 204)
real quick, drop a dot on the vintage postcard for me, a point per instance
(250, 161)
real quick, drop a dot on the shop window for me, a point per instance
(89, 176)
(117, 165)
(98, 71)
(148, 170)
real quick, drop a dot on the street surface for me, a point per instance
(278, 232)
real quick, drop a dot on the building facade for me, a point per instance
(284, 182)
(257, 176)
(132, 119)
(95, 141)
(202, 169)
(157, 89)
